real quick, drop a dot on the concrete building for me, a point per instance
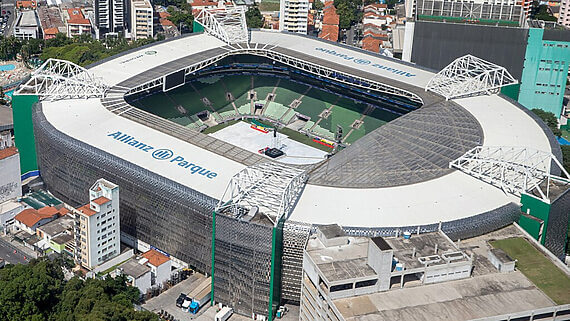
(501, 260)
(564, 13)
(293, 15)
(76, 23)
(138, 275)
(57, 227)
(160, 266)
(51, 21)
(141, 19)
(10, 183)
(97, 225)
(336, 266)
(502, 12)
(111, 16)
(27, 25)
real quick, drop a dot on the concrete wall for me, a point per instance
(163, 272)
(10, 183)
(448, 272)
(381, 262)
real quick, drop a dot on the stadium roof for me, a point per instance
(397, 175)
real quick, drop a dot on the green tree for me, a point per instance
(349, 12)
(318, 5)
(550, 120)
(37, 291)
(253, 17)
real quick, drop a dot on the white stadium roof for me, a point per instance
(449, 197)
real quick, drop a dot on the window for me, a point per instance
(365, 283)
(341, 287)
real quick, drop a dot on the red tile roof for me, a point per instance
(76, 17)
(101, 200)
(7, 152)
(51, 31)
(329, 32)
(26, 4)
(30, 216)
(85, 209)
(371, 44)
(155, 258)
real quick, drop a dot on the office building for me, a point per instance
(27, 25)
(10, 183)
(141, 19)
(97, 225)
(293, 15)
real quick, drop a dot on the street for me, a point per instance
(7, 253)
(9, 5)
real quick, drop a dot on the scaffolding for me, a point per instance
(272, 188)
(468, 76)
(61, 79)
(227, 24)
(516, 170)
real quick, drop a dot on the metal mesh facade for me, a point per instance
(242, 265)
(557, 227)
(413, 148)
(457, 229)
(154, 209)
(295, 236)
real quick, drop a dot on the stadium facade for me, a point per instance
(174, 180)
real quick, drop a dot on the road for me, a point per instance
(7, 253)
(9, 5)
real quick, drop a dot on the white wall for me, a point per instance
(163, 272)
(10, 182)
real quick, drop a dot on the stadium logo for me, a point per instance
(162, 154)
(150, 52)
(359, 61)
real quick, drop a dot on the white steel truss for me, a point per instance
(227, 24)
(516, 170)
(62, 79)
(469, 75)
(268, 52)
(273, 188)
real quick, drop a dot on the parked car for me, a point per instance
(180, 300)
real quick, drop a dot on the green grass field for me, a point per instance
(537, 268)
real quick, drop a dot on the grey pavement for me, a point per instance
(9, 5)
(7, 253)
(167, 300)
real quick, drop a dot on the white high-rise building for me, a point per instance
(294, 15)
(564, 17)
(141, 19)
(110, 16)
(98, 225)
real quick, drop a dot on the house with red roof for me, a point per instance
(160, 266)
(30, 219)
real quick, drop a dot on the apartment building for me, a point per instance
(293, 16)
(97, 232)
(564, 13)
(76, 23)
(111, 16)
(141, 19)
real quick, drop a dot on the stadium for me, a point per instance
(373, 144)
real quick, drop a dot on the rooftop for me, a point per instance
(101, 200)
(408, 251)
(86, 210)
(341, 262)
(501, 255)
(155, 258)
(30, 216)
(134, 268)
(472, 298)
(7, 152)
(58, 225)
(76, 17)
(28, 19)
(62, 238)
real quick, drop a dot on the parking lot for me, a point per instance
(8, 16)
(167, 301)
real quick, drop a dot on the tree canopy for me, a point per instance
(38, 292)
(181, 14)
(253, 17)
(550, 120)
(348, 11)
